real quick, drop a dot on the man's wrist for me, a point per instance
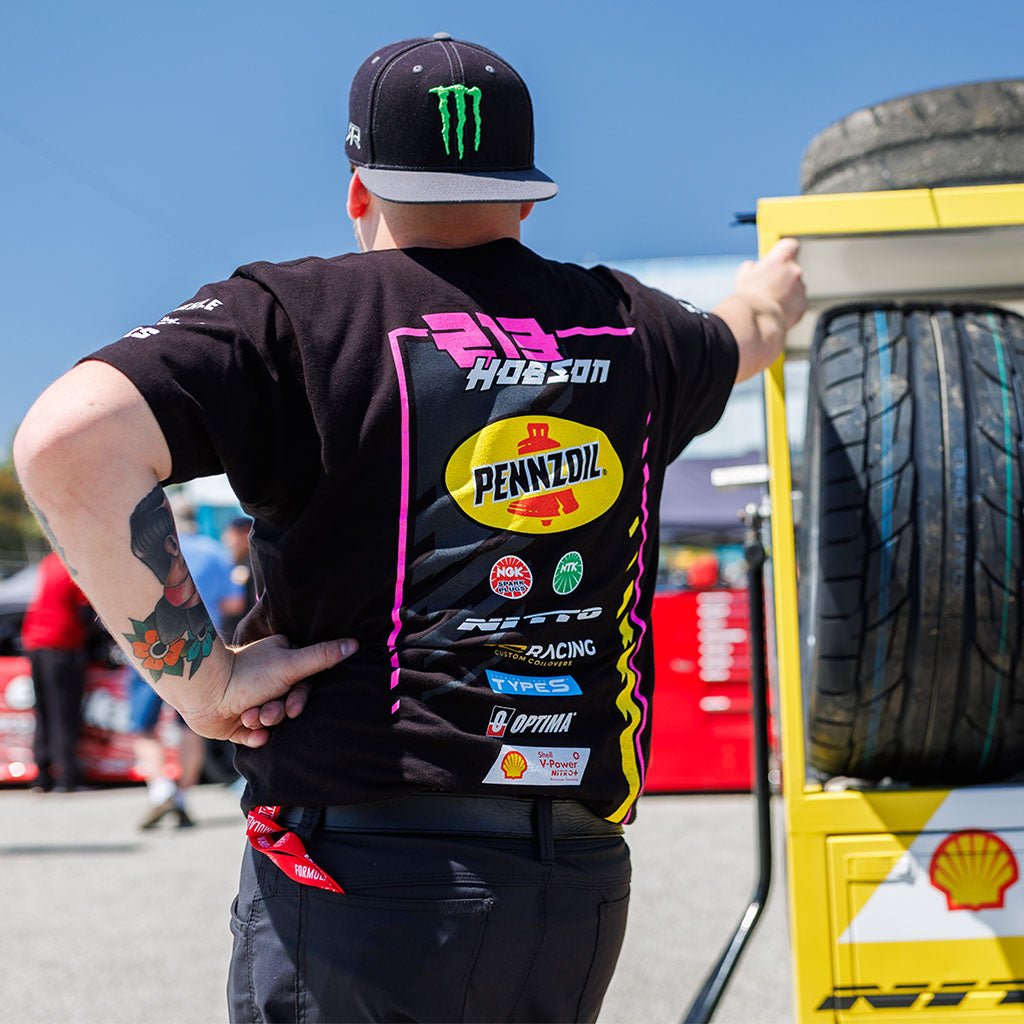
(202, 700)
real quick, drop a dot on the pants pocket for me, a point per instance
(381, 959)
(611, 930)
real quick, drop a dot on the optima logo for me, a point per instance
(535, 474)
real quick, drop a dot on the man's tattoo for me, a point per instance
(178, 631)
(44, 525)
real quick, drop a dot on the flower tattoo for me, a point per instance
(178, 631)
(156, 656)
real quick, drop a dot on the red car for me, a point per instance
(104, 745)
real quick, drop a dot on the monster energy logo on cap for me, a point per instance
(460, 92)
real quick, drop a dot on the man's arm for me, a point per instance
(90, 456)
(768, 300)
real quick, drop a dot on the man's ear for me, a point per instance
(525, 210)
(358, 197)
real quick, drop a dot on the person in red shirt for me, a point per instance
(54, 638)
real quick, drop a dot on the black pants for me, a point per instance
(431, 928)
(59, 681)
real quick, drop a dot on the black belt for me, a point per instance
(452, 814)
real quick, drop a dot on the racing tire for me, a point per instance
(961, 135)
(912, 559)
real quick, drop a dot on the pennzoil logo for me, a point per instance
(973, 869)
(535, 474)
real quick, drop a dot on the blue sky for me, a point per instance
(148, 148)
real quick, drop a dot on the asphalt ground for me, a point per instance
(102, 924)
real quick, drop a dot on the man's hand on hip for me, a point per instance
(266, 685)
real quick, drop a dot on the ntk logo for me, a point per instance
(568, 573)
(460, 92)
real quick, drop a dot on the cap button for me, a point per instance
(442, 35)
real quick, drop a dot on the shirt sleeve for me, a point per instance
(216, 374)
(694, 359)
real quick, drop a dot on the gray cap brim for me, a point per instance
(529, 186)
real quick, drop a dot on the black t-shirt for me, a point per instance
(455, 456)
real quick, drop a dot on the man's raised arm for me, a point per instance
(90, 456)
(768, 300)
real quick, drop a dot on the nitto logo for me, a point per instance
(460, 92)
(531, 619)
(946, 994)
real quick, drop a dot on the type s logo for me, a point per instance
(535, 474)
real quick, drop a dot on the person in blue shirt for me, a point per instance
(210, 567)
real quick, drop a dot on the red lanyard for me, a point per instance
(285, 849)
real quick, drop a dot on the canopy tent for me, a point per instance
(693, 510)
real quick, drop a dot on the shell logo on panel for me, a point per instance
(514, 765)
(954, 881)
(973, 869)
(535, 474)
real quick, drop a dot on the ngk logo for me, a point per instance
(511, 577)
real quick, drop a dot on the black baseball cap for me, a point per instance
(440, 120)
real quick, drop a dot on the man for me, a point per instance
(235, 537)
(453, 452)
(181, 553)
(54, 636)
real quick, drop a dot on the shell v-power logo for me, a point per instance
(535, 474)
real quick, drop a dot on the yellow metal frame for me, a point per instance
(813, 814)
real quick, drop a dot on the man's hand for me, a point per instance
(265, 686)
(769, 299)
